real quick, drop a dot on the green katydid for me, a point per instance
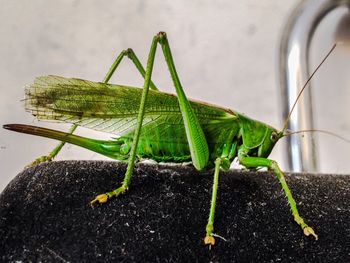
(154, 125)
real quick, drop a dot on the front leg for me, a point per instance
(209, 238)
(255, 162)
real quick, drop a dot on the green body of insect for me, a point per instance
(155, 125)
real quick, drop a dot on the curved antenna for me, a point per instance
(305, 85)
(321, 131)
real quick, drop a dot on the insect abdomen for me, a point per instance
(158, 150)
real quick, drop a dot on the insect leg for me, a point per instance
(132, 56)
(53, 153)
(209, 239)
(131, 162)
(195, 135)
(254, 162)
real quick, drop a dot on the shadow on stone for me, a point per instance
(45, 215)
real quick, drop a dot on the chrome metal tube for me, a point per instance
(293, 69)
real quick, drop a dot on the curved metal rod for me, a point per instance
(293, 69)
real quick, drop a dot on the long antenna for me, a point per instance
(305, 85)
(321, 131)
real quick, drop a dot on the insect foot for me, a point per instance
(307, 230)
(103, 198)
(41, 159)
(209, 240)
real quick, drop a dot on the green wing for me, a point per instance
(114, 109)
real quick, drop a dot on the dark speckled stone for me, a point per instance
(45, 216)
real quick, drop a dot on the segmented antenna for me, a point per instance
(305, 85)
(321, 131)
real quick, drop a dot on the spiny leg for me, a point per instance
(132, 56)
(209, 238)
(254, 162)
(195, 135)
(53, 153)
(102, 198)
(300, 221)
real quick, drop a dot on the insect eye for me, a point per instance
(274, 137)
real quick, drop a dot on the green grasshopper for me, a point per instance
(154, 125)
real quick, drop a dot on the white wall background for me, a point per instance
(225, 52)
